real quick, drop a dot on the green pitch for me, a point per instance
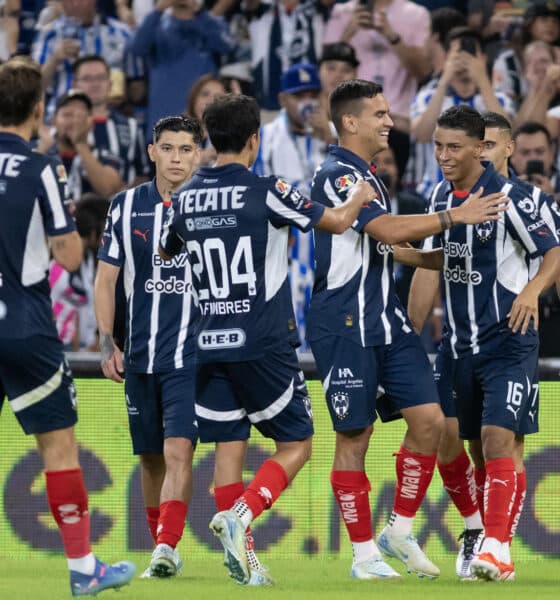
(297, 579)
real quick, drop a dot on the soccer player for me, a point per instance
(236, 226)
(159, 355)
(360, 335)
(34, 374)
(492, 294)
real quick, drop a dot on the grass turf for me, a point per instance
(296, 579)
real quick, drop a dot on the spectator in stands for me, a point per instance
(9, 28)
(283, 33)
(541, 21)
(203, 92)
(80, 30)
(390, 44)
(88, 169)
(464, 80)
(112, 132)
(180, 43)
(495, 22)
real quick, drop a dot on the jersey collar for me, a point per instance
(484, 181)
(13, 138)
(153, 193)
(348, 156)
(228, 169)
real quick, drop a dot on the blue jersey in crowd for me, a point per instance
(33, 202)
(354, 294)
(160, 312)
(236, 228)
(487, 265)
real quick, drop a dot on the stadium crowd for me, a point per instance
(112, 68)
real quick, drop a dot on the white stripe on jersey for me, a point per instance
(405, 327)
(113, 138)
(331, 194)
(327, 380)
(185, 317)
(520, 228)
(361, 289)
(275, 408)
(129, 268)
(53, 196)
(470, 293)
(284, 211)
(346, 258)
(154, 313)
(219, 415)
(450, 318)
(39, 393)
(114, 248)
(275, 263)
(36, 252)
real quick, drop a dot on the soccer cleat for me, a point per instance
(486, 566)
(507, 572)
(471, 539)
(259, 576)
(373, 568)
(165, 561)
(407, 550)
(104, 577)
(147, 574)
(228, 527)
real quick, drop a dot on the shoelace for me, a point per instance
(469, 537)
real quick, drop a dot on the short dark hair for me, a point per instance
(178, 123)
(230, 121)
(90, 214)
(346, 98)
(444, 20)
(21, 83)
(89, 58)
(530, 128)
(458, 33)
(496, 121)
(464, 118)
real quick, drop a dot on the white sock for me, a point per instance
(243, 512)
(491, 545)
(400, 525)
(85, 564)
(505, 556)
(474, 521)
(364, 551)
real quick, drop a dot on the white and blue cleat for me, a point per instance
(406, 549)
(165, 562)
(227, 526)
(104, 577)
(373, 568)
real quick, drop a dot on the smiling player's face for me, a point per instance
(457, 154)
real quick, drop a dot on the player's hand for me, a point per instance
(111, 358)
(524, 308)
(362, 192)
(66, 49)
(478, 208)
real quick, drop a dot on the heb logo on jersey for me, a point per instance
(344, 182)
(202, 223)
(221, 339)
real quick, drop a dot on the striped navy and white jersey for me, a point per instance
(123, 137)
(33, 200)
(354, 294)
(487, 265)
(236, 227)
(160, 314)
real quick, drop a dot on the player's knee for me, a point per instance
(497, 442)
(305, 449)
(153, 463)
(178, 453)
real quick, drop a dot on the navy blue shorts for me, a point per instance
(160, 405)
(351, 375)
(35, 377)
(269, 393)
(500, 390)
(443, 376)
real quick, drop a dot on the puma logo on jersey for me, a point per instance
(142, 234)
(515, 411)
(503, 482)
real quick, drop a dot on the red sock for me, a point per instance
(351, 492)
(458, 480)
(172, 515)
(480, 480)
(226, 495)
(266, 487)
(152, 516)
(68, 502)
(518, 503)
(499, 493)
(414, 473)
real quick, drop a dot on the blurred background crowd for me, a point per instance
(112, 68)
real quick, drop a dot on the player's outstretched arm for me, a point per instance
(405, 254)
(67, 250)
(104, 302)
(423, 291)
(393, 229)
(340, 218)
(526, 306)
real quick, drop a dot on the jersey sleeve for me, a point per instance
(173, 234)
(550, 212)
(433, 241)
(54, 199)
(525, 223)
(111, 249)
(287, 206)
